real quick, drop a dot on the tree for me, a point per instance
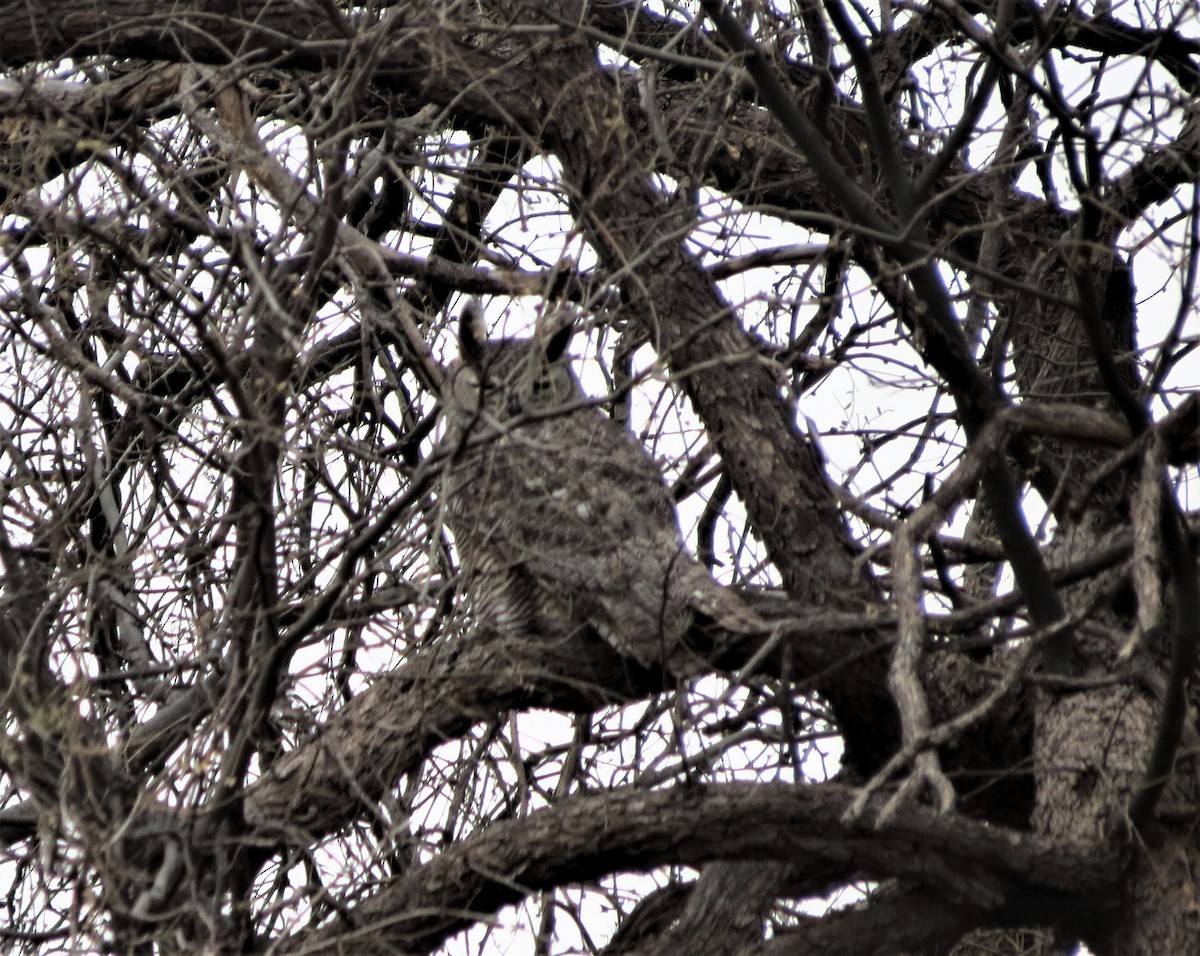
(248, 707)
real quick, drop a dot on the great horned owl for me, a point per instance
(561, 518)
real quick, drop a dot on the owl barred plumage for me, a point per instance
(560, 516)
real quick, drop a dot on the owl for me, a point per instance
(560, 516)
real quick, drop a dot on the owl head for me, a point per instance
(507, 378)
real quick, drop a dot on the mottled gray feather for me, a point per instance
(560, 516)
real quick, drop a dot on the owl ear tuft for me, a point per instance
(559, 341)
(472, 336)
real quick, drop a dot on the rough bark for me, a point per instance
(223, 386)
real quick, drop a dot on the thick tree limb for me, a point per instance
(973, 864)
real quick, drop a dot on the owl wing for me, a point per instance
(574, 511)
(611, 534)
(592, 494)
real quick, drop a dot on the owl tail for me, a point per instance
(678, 622)
(718, 604)
(714, 614)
